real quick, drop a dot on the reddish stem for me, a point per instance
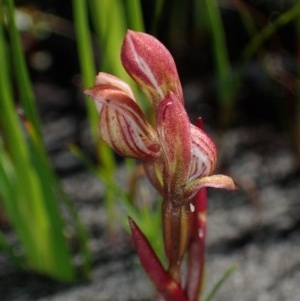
(196, 252)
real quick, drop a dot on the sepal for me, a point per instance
(121, 121)
(173, 128)
(103, 78)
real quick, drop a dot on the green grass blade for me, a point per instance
(84, 42)
(26, 96)
(104, 154)
(134, 14)
(222, 61)
(9, 120)
(110, 34)
(246, 18)
(60, 254)
(86, 57)
(158, 9)
(268, 31)
(5, 196)
(29, 194)
(149, 220)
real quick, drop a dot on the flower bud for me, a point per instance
(151, 65)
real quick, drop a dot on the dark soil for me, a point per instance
(256, 228)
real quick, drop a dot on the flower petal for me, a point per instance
(103, 78)
(215, 181)
(122, 123)
(151, 65)
(174, 134)
(204, 154)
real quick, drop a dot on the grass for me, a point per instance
(29, 190)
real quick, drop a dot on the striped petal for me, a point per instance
(151, 65)
(105, 79)
(204, 154)
(122, 124)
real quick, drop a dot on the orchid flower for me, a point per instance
(179, 158)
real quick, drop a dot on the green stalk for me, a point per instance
(134, 15)
(26, 96)
(159, 5)
(87, 66)
(220, 50)
(22, 193)
(226, 89)
(109, 21)
(86, 58)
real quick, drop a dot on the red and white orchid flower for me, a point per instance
(177, 154)
(179, 158)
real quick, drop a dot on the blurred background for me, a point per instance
(64, 195)
(210, 44)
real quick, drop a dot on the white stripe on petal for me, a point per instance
(144, 67)
(103, 78)
(204, 154)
